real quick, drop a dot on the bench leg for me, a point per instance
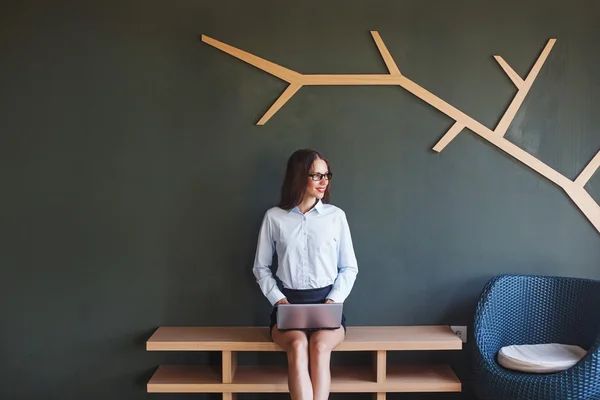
(379, 365)
(379, 371)
(229, 365)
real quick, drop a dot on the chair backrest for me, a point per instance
(526, 309)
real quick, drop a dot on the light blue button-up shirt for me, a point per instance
(314, 250)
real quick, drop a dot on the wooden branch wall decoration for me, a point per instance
(574, 189)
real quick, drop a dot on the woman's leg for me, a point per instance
(320, 346)
(295, 343)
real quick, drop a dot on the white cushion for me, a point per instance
(540, 358)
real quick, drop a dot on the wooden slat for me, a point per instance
(185, 379)
(270, 379)
(379, 396)
(424, 378)
(358, 338)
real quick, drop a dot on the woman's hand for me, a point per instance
(282, 301)
(329, 301)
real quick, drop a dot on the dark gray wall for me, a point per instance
(134, 179)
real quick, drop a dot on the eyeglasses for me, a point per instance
(318, 176)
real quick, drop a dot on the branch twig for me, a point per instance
(524, 87)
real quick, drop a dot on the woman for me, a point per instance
(316, 264)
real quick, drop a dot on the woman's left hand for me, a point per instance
(329, 301)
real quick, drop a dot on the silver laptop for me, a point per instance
(309, 316)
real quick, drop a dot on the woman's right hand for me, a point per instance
(282, 301)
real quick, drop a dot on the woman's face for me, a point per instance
(317, 188)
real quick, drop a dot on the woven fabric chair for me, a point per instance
(526, 309)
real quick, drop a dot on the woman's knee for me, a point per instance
(298, 346)
(319, 346)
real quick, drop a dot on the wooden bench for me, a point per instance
(230, 379)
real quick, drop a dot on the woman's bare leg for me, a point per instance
(320, 346)
(295, 343)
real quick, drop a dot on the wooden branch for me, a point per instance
(267, 66)
(351, 79)
(586, 204)
(285, 96)
(387, 57)
(575, 190)
(514, 106)
(517, 80)
(588, 171)
(447, 138)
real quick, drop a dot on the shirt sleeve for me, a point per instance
(263, 260)
(347, 265)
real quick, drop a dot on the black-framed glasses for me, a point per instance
(317, 177)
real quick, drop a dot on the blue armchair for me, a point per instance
(525, 309)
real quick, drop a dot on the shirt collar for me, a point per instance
(319, 207)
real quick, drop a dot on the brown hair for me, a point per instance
(296, 176)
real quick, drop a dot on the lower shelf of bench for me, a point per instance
(267, 379)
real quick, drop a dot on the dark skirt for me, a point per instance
(305, 296)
